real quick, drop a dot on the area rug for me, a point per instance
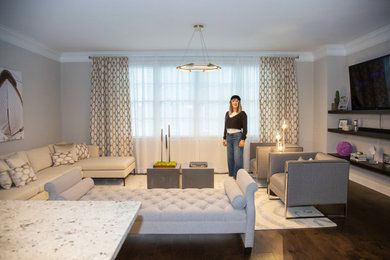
(269, 213)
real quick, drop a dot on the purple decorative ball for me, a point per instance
(344, 148)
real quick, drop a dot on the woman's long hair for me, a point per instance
(231, 107)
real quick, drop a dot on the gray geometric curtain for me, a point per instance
(110, 106)
(278, 99)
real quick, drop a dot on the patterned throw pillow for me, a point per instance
(82, 151)
(5, 180)
(22, 175)
(64, 148)
(63, 158)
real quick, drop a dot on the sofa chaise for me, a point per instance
(41, 161)
(174, 211)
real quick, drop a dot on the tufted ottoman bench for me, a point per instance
(176, 211)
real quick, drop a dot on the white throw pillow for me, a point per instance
(63, 158)
(3, 166)
(5, 180)
(300, 159)
(15, 160)
(82, 151)
(22, 175)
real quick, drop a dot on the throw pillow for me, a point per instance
(3, 166)
(82, 151)
(63, 158)
(22, 175)
(300, 159)
(61, 148)
(322, 156)
(234, 194)
(64, 148)
(15, 160)
(5, 180)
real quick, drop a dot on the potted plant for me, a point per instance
(335, 105)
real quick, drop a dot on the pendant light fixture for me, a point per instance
(207, 66)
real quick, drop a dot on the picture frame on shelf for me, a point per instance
(343, 105)
(342, 122)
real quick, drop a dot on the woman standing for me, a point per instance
(234, 135)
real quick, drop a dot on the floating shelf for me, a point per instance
(373, 112)
(366, 132)
(378, 168)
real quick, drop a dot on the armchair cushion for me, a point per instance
(277, 184)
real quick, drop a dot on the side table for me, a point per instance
(197, 177)
(163, 177)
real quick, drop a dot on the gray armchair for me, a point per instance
(259, 157)
(323, 180)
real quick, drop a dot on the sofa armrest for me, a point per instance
(93, 150)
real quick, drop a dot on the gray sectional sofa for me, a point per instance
(41, 161)
(175, 211)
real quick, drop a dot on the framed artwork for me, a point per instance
(11, 105)
(342, 122)
(343, 103)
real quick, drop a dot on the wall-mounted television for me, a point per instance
(370, 84)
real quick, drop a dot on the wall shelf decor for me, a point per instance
(373, 112)
(378, 168)
(365, 132)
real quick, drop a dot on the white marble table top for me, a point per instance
(64, 229)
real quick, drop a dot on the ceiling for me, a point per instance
(166, 25)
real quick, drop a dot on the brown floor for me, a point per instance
(364, 234)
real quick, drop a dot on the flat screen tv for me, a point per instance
(370, 84)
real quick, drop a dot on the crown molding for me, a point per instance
(329, 50)
(27, 43)
(84, 56)
(371, 39)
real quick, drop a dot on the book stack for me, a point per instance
(198, 164)
(358, 157)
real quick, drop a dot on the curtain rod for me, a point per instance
(296, 57)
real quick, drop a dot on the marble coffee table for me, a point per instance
(64, 229)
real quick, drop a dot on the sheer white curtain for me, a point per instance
(193, 104)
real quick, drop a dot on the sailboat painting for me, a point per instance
(11, 105)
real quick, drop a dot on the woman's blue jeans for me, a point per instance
(235, 153)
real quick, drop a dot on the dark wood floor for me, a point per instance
(364, 234)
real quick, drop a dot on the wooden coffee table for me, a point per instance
(197, 177)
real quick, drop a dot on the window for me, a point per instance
(193, 103)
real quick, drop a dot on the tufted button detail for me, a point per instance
(174, 204)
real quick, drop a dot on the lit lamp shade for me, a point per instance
(344, 148)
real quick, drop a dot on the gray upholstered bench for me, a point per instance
(175, 211)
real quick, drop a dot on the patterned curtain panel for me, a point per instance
(110, 106)
(278, 99)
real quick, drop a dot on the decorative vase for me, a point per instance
(344, 148)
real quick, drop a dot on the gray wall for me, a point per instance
(305, 81)
(41, 97)
(75, 100)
